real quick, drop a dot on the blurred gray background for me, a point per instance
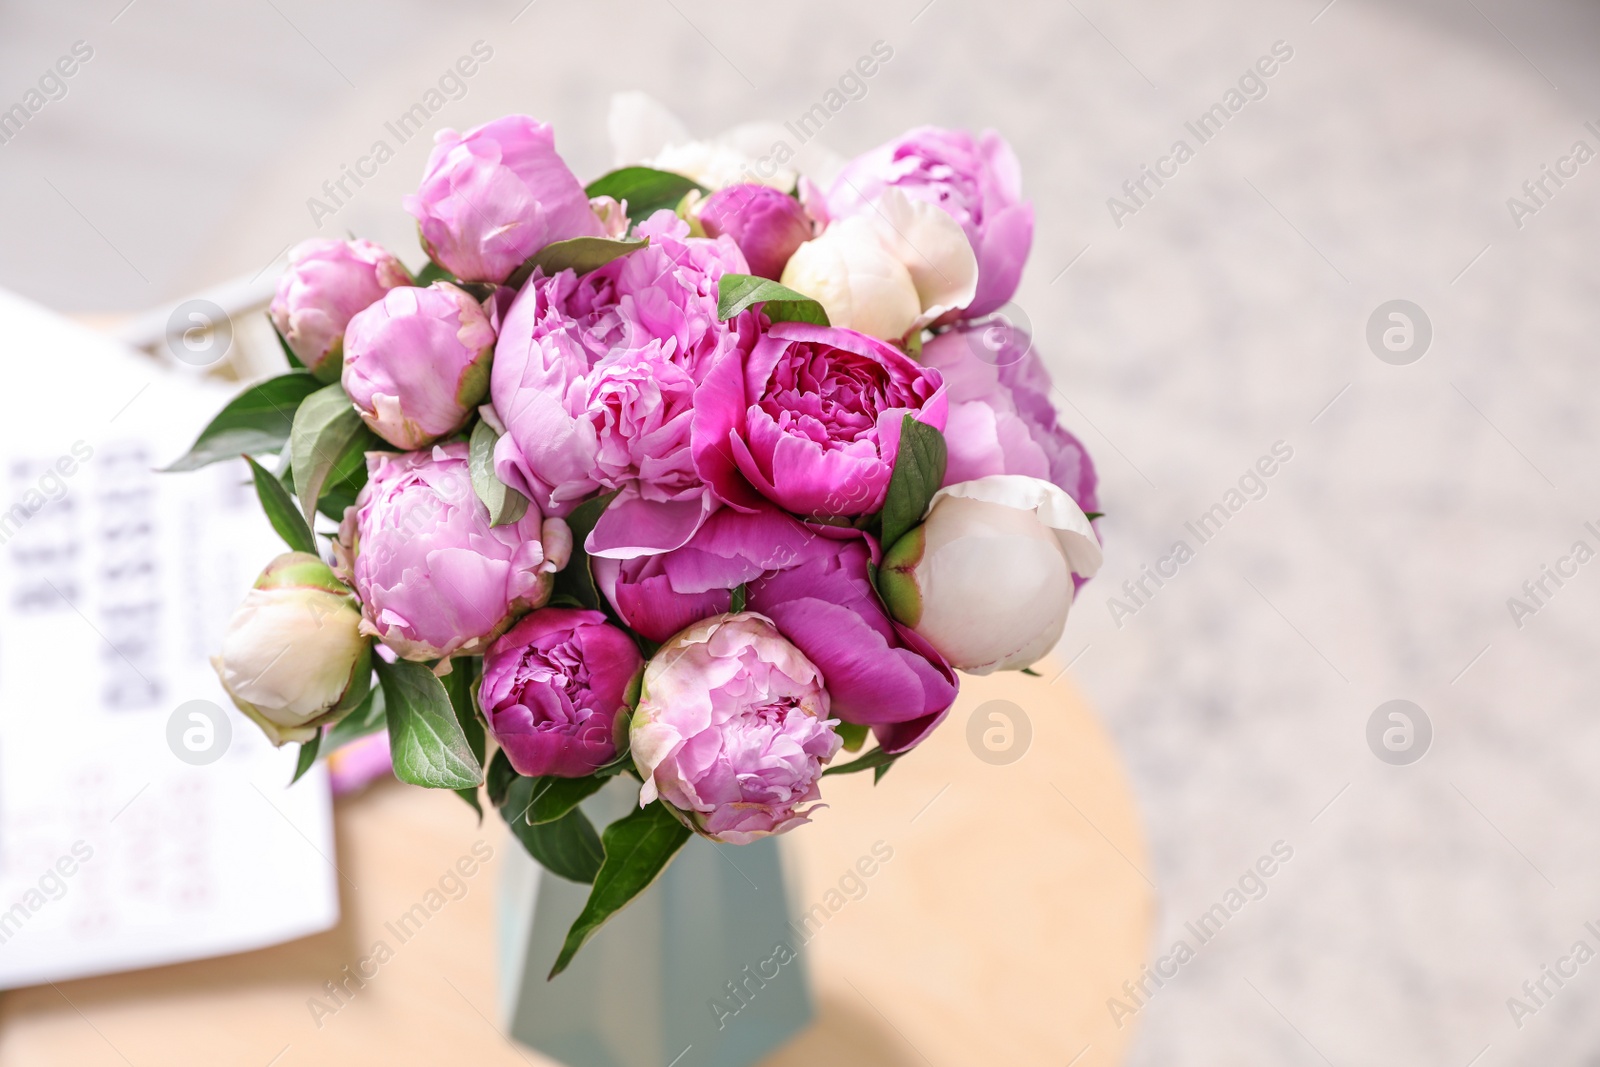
(1227, 314)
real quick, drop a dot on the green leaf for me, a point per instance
(368, 718)
(501, 775)
(918, 473)
(308, 756)
(552, 798)
(736, 602)
(425, 738)
(735, 292)
(280, 509)
(568, 847)
(327, 442)
(1031, 673)
(1092, 515)
(882, 769)
(505, 504)
(340, 492)
(258, 420)
(576, 580)
(638, 848)
(646, 189)
(578, 254)
(873, 760)
(853, 735)
(471, 797)
(431, 272)
(460, 684)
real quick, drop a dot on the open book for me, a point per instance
(143, 820)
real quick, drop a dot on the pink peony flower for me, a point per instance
(326, 283)
(732, 729)
(434, 578)
(814, 585)
(977, 181)
(1002, 420)
(553, 686)
(811, 421)
(766, 224)
(417, 363)
(595, 378)
(494, 196)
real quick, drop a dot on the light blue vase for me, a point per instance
(699, 971)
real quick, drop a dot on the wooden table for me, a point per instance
(1013, 907)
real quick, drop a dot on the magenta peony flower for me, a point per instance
(494, 196)
(553, 686)
(732, 729)
(814, 585)
(976, 180)
(766, 224)
(595, 379)
(433, 577)
(1002, 420)
(328, 282)
(661, 594)
(811, 421)
(879, 673)
(417, 363)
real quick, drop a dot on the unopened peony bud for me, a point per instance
(417, 363)
(766, 224)
(435, 579)
(293, 658)
(326, 284)
(495, 195)
(987, 578)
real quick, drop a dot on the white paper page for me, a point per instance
(115, 585)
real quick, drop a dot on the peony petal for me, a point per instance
(632, 526)
(869, 681)
(1003, 250)
(1050, 503)
(934, 249)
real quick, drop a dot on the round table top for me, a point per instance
(1015, 905)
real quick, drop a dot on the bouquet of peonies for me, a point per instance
(676, 476)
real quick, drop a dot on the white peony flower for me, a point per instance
(888, 271)
(987, 578)
(293, 658)
(643, 132)
(856, 279)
